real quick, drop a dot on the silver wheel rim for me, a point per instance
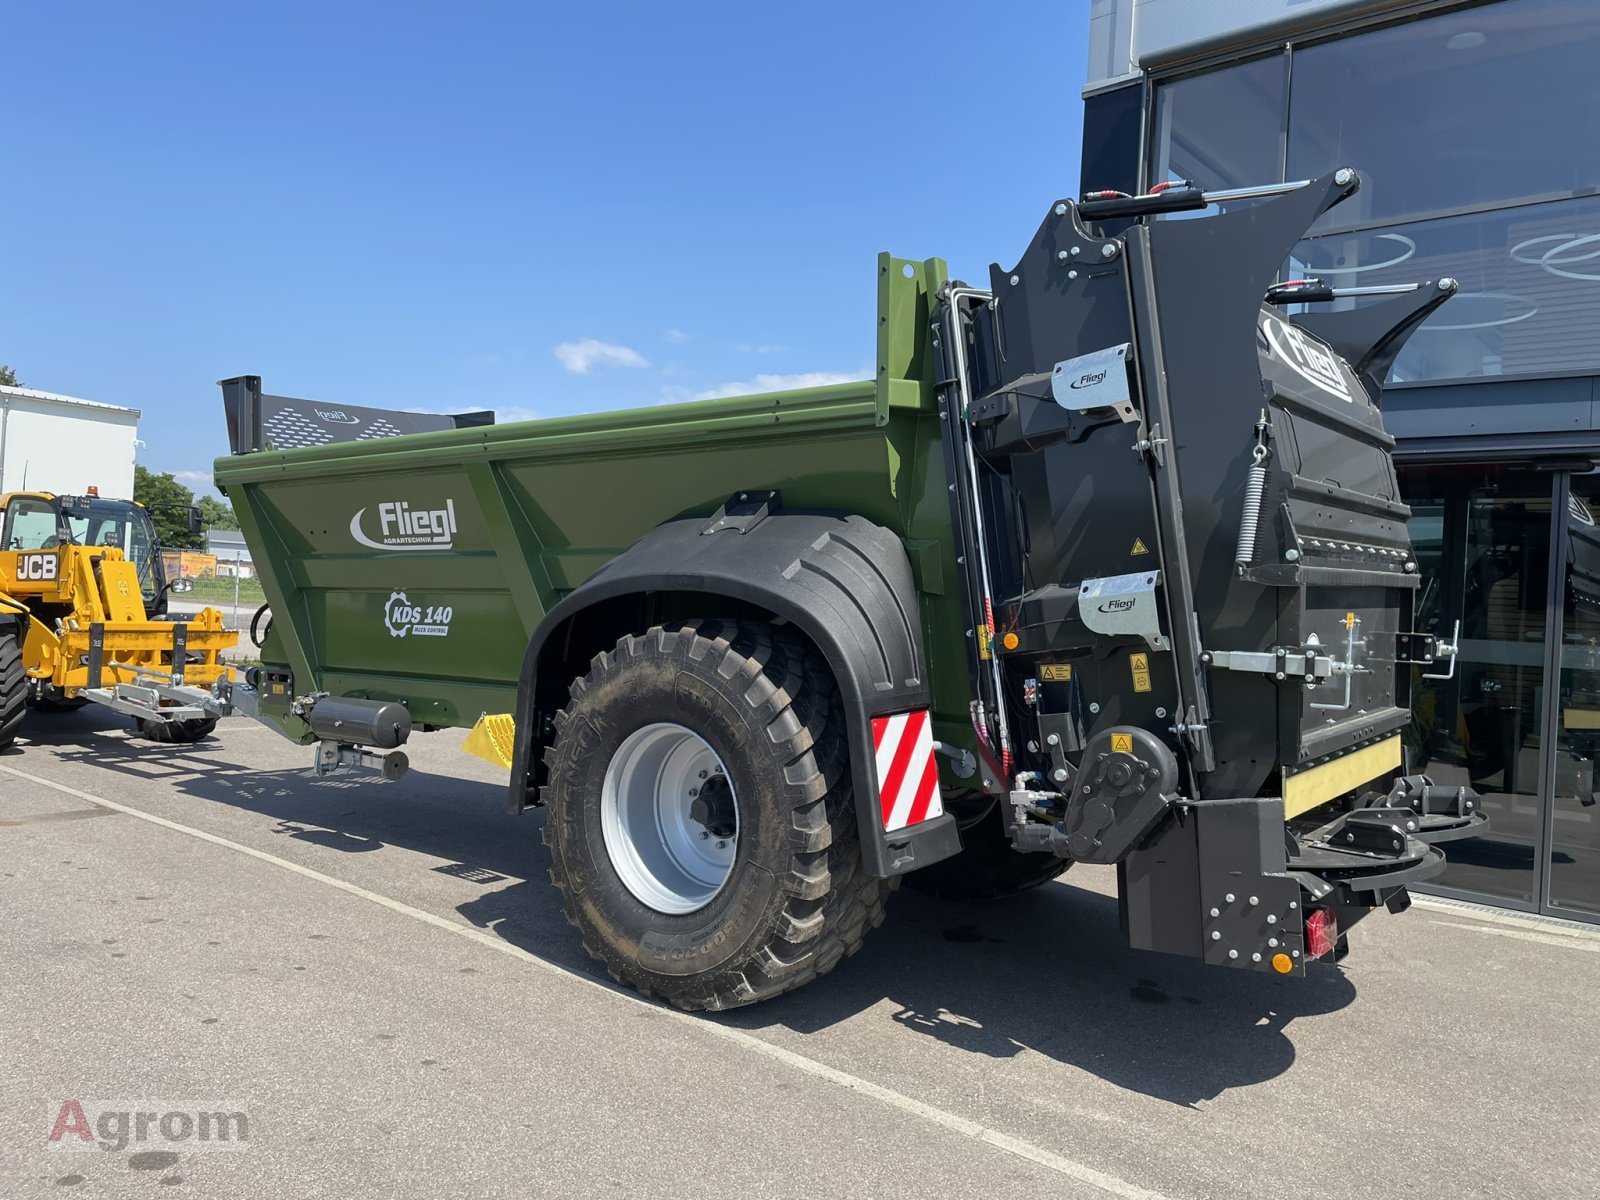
(673, 854)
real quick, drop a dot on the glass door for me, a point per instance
(1573, 828)
(1482, 537)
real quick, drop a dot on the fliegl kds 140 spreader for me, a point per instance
(1107, 565)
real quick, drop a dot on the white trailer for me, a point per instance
(65, 445)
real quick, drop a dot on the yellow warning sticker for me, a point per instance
(1140, 663)
(985, 637)
(1139, 547)
(1055, 672)
(1122, 743)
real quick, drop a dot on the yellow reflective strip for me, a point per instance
(1305, 790)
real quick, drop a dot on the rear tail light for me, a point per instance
(1322, 934)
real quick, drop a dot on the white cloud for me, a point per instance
(198, 482)
(764, 348)
(578, 357)
(676, 335)
(781, 383)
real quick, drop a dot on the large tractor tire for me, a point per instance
(178, 732)
(701, 818)
(13, 685)
(987, 868)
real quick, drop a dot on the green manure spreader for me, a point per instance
(1106, 564)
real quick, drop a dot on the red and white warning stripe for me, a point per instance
(908, 776)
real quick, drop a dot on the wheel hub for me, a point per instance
(669, 818)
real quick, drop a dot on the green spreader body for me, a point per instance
(416, 568)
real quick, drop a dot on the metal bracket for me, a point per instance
(1280, 663)
(336, 756)
(180, 652)
(743, 512)
(1095, 380)
(1448, 650)
(1123, 605)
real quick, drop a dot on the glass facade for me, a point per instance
(1476, 130)
(1477, 135)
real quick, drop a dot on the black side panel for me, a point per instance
(260, 422)
(842, 580)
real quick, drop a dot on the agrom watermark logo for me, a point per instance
(401, 527)
(112, 1126)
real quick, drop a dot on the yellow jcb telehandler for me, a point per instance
(79, 580)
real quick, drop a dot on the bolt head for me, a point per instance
(1291, 555)
(1053, 740)
(1228, 898)
(1233, 954)
(1253, 900)
(1072, 274)
(1016, 279)
(1272, 942)
(1061, 256)
(1293, 904)
(1216, 936)
(1343, 176)
(1059, 774)
(1272, 919)
(1094, 706)
(1256, 957)
(721, 845)
(1216, 912)
(1109, 250)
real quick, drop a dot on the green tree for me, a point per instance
(217, 514)
(168, 502)
(8, 377)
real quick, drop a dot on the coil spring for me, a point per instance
(1255, 486)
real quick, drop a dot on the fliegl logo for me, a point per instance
(1307, 358)
(336, 416)
(401, 527)
(403, 618)
(1088, 380)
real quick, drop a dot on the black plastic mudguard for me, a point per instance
(841, 579)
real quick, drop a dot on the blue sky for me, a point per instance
(537, 208)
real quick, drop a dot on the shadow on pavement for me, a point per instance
(1046, 972)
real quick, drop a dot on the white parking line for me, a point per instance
(1109, 1184)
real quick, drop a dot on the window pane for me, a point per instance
(1482, 536)
(1224, 129)
(1490, 104)
(1575, 836)
(1530, 287)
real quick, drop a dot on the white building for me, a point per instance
(63, 444)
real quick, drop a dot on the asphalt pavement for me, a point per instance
(374, 982)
